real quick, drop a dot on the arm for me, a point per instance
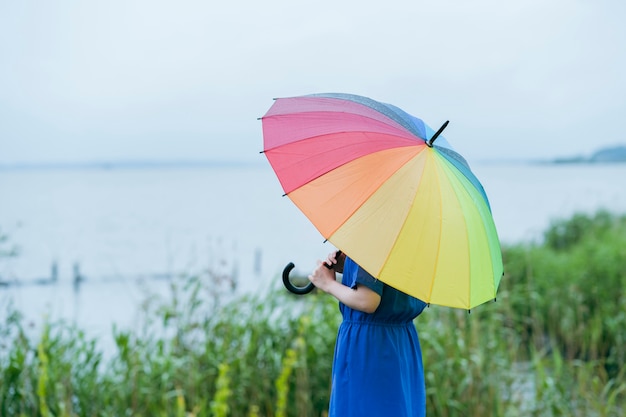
(361, 298)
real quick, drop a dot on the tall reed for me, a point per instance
(552, 345)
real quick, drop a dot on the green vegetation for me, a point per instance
(552, 345)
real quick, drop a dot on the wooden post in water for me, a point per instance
(78, 278)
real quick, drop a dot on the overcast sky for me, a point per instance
(140, 80)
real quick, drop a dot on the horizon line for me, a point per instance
(126, 163)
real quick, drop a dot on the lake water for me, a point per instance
(126, 229)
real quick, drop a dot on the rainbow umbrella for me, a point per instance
(390, 192)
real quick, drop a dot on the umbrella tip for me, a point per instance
(437, 133)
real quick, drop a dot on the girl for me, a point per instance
(377, 367)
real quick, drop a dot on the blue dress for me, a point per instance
(377, 366)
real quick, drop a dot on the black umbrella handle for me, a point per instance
(292, 288)
(300, 290)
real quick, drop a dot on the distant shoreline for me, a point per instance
(614, 154)
(604, 156)
(609, 155)
(115, 165)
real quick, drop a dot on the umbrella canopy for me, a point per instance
(390, 192)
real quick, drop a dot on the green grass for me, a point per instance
(552, 345)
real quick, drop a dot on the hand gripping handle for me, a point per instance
(300, 290)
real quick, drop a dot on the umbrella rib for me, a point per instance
(386, 121)
(347, 161)
(469, 266)
(390, 112)
(398, 234)
(432, 284)
(391, 135)
(467, 238)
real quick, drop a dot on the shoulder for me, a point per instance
(358, 276)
